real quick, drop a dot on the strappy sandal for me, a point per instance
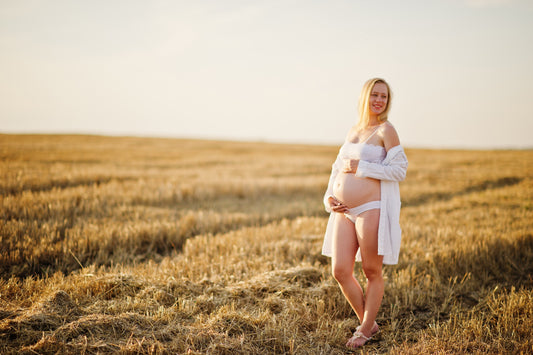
(358, 335)
(374, 326)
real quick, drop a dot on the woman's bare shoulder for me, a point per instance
(352, 132)
(390, 135)
(388, 128)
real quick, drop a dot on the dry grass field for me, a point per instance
(162, 246)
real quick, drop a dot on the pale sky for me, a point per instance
(277, 71)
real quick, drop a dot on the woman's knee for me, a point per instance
(372, 270)
(342, 273)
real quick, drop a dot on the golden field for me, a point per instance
(167, 246)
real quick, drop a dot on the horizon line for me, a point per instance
(254, 140)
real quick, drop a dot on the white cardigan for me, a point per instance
(391, 171)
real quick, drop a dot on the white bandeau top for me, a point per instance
(363, 151)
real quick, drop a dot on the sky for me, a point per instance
(277, 71)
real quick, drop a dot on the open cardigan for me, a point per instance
(390, 172)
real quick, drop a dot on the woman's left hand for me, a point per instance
(350, 165)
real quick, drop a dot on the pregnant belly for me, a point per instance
(354, 191)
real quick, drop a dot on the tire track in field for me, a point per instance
(430, 197)
(61, 184)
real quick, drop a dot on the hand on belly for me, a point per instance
(336, 205)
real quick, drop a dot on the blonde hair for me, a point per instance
(364, 109)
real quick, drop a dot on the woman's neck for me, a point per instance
(373, 121)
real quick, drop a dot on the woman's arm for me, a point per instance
(335, 169)
(390, 136)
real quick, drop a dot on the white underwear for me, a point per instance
(356, 211)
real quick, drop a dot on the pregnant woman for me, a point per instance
(363, 199)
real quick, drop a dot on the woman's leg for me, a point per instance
(367, 232)
(345, 246)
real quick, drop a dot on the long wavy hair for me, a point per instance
(364, 107)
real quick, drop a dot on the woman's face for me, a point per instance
(378, 98)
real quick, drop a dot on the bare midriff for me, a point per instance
(354, 191)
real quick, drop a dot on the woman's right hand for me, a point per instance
(336, 205)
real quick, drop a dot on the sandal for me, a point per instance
(374, 332)
(355, 341)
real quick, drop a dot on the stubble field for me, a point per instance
(162, 246)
